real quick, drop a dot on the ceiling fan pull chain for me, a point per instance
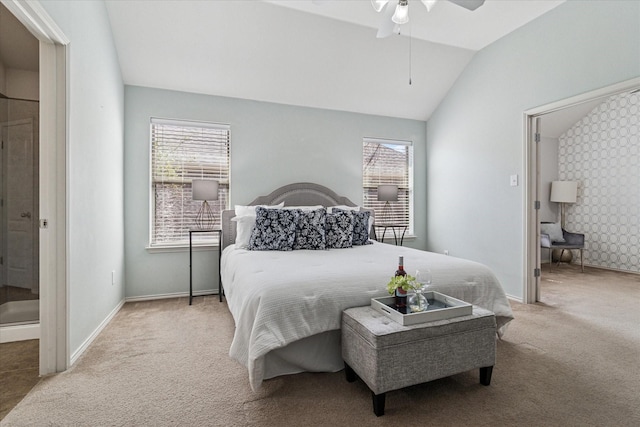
(409, 54)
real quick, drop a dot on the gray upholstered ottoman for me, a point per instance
(388, 356)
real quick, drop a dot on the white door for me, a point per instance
(17, 138)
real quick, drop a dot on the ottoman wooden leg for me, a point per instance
(350, 373)
(485, 375)
(378, 403)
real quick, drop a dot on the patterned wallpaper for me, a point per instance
(602, 153)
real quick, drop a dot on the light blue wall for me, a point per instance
(475, 137)
(95, 168)
(271, 145)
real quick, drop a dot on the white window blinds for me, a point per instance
(388, 162)
(180, 152)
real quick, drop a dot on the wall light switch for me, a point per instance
(514, 180)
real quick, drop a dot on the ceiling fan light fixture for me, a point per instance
(429, 4)
(401, 15)
(378, 4)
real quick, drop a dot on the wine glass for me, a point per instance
(417, 302)
(423, 276)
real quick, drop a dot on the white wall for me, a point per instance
(548, 149)
(22, 84)
(475, 138)
(95, 166)
(271, 145)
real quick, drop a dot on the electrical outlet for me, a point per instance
(113, 277)
(446, 251)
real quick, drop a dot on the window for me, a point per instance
(180, 152)
(388, 162)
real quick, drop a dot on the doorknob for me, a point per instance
(25, 215)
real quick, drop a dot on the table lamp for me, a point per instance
(203, 189)
(563, 192)
(387, 193)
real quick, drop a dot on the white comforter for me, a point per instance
(280, 297)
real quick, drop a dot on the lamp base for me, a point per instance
(205, 220)
(562, 255)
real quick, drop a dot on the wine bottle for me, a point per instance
(401, 294)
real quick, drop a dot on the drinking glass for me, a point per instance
(423, 276)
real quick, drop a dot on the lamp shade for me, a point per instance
(388, 193)
(204, 189)
(564, 191)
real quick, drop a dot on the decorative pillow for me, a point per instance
(339, 229)
(310, 232)
(554, 231)
(275, 230)
(245, 221)
(361, 226)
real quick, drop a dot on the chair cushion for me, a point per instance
(553, 230)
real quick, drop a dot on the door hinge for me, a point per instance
(537, 137)
(536, 204)
(536, 272)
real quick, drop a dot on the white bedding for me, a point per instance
(277, 297)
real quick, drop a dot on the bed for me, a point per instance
(287, 305)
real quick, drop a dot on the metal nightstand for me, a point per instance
(191, 262)
(393, 227)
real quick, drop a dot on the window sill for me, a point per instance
(199, 247)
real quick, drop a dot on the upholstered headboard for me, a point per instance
(298, 194)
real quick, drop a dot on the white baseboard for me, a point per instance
(76, 354)
(171, 295)
(19, 333)
(611, 269)
(517, 299)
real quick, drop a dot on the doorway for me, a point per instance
(534, 123)
(19, 192)
(51, 223)
(19, 252)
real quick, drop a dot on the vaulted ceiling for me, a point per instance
(321, 53)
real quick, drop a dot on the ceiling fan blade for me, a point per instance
(385, 29)
(468, 4)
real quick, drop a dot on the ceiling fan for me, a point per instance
(395, 14)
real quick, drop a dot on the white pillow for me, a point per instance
(553, 230)
(244, 227)
(344, 208)
(251, 210)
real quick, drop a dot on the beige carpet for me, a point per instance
(572, 360)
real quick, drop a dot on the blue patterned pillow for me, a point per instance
(360, 226)
(310, 233)
(339, 228)
(275, 229)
